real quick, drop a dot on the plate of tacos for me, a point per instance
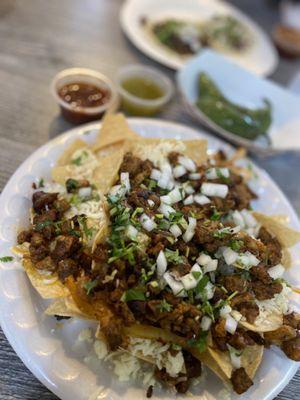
(141, 258)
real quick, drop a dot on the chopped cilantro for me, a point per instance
(151, 184)
(90, 286)
(196, 274)
(71, 184)
(201, 284)
(41, 183)
(221, 176)
(75, 200)
(6, 259)
(163, 225)
(41, 225)
(133, 294)
(175, 347)
(175, 217)
(173, 256)
(190, 294)
(200, 342)
(207, 308)
(77, 161)
(89, 232)
(236, 245)
(164, 306)
(216, 215)
(137, 211)
(221, 233)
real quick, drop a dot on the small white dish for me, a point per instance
(247, 89)
(261, 58)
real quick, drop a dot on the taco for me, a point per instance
(155, 240)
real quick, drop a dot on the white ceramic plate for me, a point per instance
(49, 349)
(261, 59)
(247, 89)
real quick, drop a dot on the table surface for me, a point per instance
(39, 38)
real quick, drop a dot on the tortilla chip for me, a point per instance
(287, 236)
(250, 360)
(110, 149)
(268, 325)
(114, 129)
(157, 150)
(65, 158)
(49, 287)
(106, 173)
(64, 307)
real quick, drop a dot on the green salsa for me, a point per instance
(242, 121)
(143, 88)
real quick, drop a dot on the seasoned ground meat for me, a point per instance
(292, 348)
(72, 185)
(24, 236)
(149, 392)
(260, 272)
(192, 365)
(100, 253)
(219, 335)
(241, 382)
(173, 158)
(281, 334)
(138, 169)
(41, 200)
(37, 239)
(61, 206)
(66, 268)
(245, 304)
(219, 294)
(44, 223)
(181, 269)
(292, 319)
(158, 242)
(65, 246)
(47, 264)
(234, 283)
(138, 308)
(265, 292)
(140, 198)
(180, 382)
(274, 253)
(256, 337)
(240, 339)
(38, 253)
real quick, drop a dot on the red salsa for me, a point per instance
(84, 95)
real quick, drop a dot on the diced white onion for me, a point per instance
(215, 173)
(176, 286)
(147, 223)
(188, 188)
(150, 202)
(175, 230)
(117, 190)
(190, 231)
(175, 195)
(189, 200)
(201, 199)
(196, 268)
(203, 259)
(236, 315)
(170, 185)
(124, 178)
(166, 199)
(155, 174)
(161, 263)
(187, 163)
(229, 255)
(85, 192)
(211, 266)
(166, 210)
(238, 219)
(225, 310)
(194, 176)
(189, 282)
(205, 323)
(214, 189)
(234, 357)
(210, 290)
(131, 232)
(230, 324)
(254, 261)
(250, 221)
(163, 181)
(179, 171)
(276, 272)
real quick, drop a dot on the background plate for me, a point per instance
(49, 349)
(261, 59)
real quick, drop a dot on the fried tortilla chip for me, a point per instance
(49, 287)
(114, 129)
(65, 158)
(157, 150)
(64, 307)
(105, 175)
(287, 236)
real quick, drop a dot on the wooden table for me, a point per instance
(39, 38)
